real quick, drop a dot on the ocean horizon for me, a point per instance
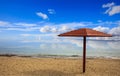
(94, 48)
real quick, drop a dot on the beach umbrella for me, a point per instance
(85, 32)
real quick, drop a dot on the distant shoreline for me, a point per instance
(59, 56)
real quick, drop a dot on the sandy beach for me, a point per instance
(26, 66)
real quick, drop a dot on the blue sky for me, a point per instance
(66, 11)
(32, 26)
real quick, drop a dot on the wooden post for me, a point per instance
(84, 53)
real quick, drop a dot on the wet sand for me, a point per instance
(27, 66)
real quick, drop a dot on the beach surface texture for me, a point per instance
(27, 66)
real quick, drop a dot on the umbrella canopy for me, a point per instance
(85, 32)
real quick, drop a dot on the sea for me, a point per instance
(94, 49)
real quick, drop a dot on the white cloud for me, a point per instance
(77, 42)
(18, 29)
(102, 29)
(115, 45)
(95, 44)
(108, 5)
(115, 38)
(53, 29)
(25, 24)
(51, 11)
(45, 29)
(112, 8)
(61, 27)
(4, 24)
(98, 44)
(115, 31)
(42, 38)
(64, 28)
(22, 28)
(42, 15)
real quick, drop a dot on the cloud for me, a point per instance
(24, 29)
(20, 26)
(65, 28)
(57, 28)
(51, 39)
(40, 38)
(42, 15)
(45, 29)
(25, 24)
(51, 11)
(108, 5)
(98, 44)
(115, 45)
(46, 33)
(102, 29)
(4, 24)
(115, 31)
(112, 8)
(18, 29)
(78, 42)
(53, 29)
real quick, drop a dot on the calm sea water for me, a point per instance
(94, 48)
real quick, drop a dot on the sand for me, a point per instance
(23, 66)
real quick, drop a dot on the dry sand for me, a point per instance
(21, 66)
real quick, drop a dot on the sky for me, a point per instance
(32, 26)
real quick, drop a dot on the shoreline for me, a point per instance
(59, 56)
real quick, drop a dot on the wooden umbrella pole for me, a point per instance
(84, 53)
